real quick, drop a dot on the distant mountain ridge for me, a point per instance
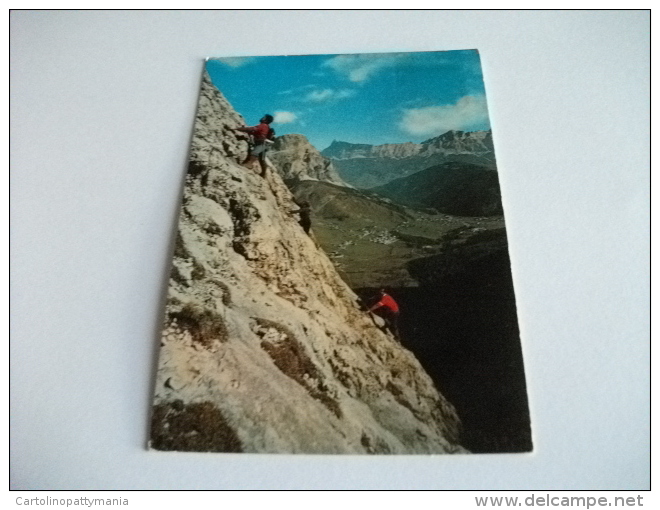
(368, 166)
(451, 142)
(461, 142)
(346, 150)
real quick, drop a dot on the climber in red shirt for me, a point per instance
(262, 134)
(389, 310)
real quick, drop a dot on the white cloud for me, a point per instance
(284, 117)
(235, 61)
(359, 68)
(468, 111)
(324, 95)
(297, 90)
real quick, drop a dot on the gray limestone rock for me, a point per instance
(297, 160)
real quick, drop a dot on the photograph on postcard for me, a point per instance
(340, 277)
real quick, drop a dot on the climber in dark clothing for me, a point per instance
(263, 135)
(389, 310)
(305, 214)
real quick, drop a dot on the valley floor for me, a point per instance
(372, 256)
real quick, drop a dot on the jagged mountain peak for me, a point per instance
(459, 133)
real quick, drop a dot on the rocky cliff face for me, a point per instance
(297, 160)
(264, 348)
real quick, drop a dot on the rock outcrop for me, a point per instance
(297, 160)
(264, 347)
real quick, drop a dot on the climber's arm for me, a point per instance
(244, 129)
(376, 306)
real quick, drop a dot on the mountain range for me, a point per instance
(368, 166)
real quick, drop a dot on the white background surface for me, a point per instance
(102, 106)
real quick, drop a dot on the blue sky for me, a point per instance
(359, 98)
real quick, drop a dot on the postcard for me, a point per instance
(340, 278)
